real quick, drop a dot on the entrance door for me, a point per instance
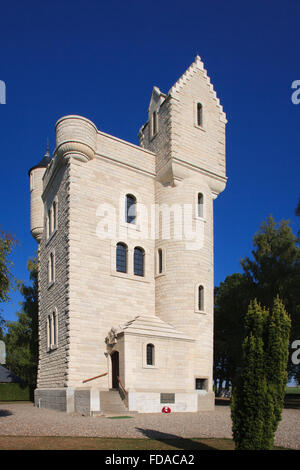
(115, 369)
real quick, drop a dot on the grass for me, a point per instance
(101, 443)
(293, 390)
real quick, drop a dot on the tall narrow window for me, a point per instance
(201, 298)
(121, 258)
(54, 215)
(49, 222)
(139, 261)
(160, 261)
(150, 355)
(51, 268)
(130, 209)
(200, 205)
(154, 123)
(54, 336)
(199, 114)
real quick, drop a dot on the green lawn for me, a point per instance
(100, 443)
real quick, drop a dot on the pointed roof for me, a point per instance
(153, 326)
(194, 68)
(45, 160)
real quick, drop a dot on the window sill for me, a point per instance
(201, 128)
(145, 366)
(53, 347)
(159, 275)
(153, 136)
(50, 284)
(51, 236)
(202, 312)
(130, 277)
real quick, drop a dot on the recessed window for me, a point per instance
(201, 298)
(160, 261)
(121, 258)
(52, 330)
(154, 123)
(199, 114)
(150, 355)
(130, 209)
(49, 222)
(51, 268)
(54, 215)
(138, 261)
(201, 384)
(200, 205)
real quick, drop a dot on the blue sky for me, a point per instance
(102, 59)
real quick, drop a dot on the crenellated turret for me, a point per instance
(36, 174)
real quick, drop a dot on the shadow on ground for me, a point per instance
(4, 413)
(173, 440)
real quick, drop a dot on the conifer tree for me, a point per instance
(259, 391)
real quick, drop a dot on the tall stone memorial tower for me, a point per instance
(126, 266)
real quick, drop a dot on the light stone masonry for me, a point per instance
(144, 325)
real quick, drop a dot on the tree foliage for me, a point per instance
(7, 244)
(258, 393)
(22, 336)
(273, 269)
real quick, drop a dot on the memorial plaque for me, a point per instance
(167, 397)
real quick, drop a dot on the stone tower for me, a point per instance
(125, 238)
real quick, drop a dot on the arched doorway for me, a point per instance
(115, 369)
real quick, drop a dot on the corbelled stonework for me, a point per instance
(96, 322)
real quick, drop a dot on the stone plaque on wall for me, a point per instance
(167, 397)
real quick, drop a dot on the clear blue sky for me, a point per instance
(101, 60)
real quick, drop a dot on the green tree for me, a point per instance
(232, 298)
(258, 393)
(7, 244)
(250, 389)
(275, 271)
(22, 336)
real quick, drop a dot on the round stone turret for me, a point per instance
(36, 174)
(76, 136)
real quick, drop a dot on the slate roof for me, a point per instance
(6, 376)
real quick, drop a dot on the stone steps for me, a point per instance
(111, 403)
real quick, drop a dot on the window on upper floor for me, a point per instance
(130, 209)
(51, 268)
(154, 123)
(199, 115)
(200, 205)
(52, 331)
(52, 218)
(160, 261)
(121, 257)
(201, 298)
(138, 261)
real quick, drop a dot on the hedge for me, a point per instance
(14, 392)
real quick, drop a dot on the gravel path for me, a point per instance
(23, 419)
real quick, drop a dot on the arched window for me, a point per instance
(150, 355)
(199, 114)
(52, 330)
(160, 261)
(201, 298)
(130, 209)
(200, 205)
(121, 258)
(138, 261)
(51, 267)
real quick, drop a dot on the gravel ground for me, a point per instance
(23, 419)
